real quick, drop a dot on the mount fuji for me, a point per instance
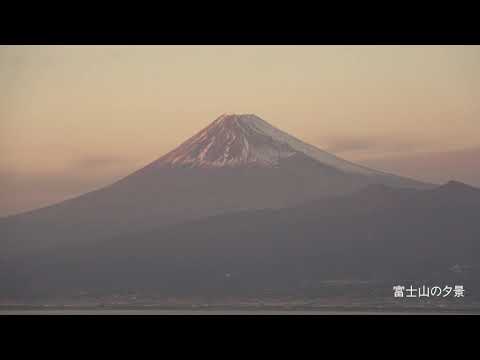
(243, 209)
(238, 162)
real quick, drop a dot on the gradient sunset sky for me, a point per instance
(76, 118)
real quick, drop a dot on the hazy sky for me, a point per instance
(75, 118)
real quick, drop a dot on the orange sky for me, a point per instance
(74, 118)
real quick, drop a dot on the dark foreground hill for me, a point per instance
(378, 233)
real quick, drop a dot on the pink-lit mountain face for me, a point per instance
(246, 199)
(247, 140)
(238, 162)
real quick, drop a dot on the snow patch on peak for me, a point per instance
(246, 139)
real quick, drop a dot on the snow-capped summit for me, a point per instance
(247, 140)
(238, 162)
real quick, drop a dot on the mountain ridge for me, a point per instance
(406, 237)
(246, 139)
(266, 147)
(158, 195)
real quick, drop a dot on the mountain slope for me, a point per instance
(376, 233)
(239, 162)
(239, 140)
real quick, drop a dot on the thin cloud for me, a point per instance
(98, 162)
(23, 189)
(436, 167)
(350, 144)
(372, 145)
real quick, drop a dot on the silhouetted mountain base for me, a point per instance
(379, 234)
